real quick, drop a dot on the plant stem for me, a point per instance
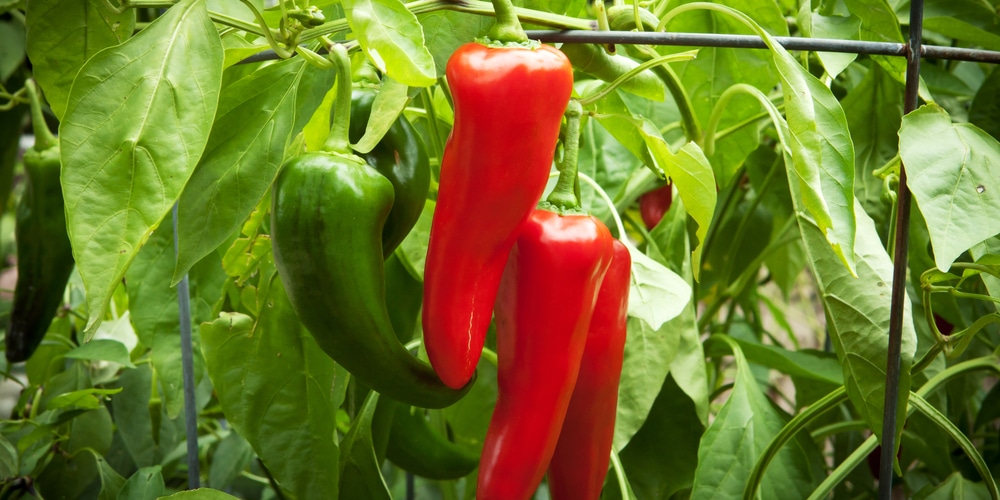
(43, 136)
(563, 198)
(507, 28)
(339, 140)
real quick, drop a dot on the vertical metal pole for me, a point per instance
(187, 366)
(899, 266)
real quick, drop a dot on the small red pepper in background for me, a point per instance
(580, 462)
(654, 204)
(509, 103)
(543, 311)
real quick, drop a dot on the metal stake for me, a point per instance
(187, 366)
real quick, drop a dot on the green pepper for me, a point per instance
(415, 447)
(327, 214)
(44, 254)
(401, 157)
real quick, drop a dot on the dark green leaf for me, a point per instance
(446, 30)
(111, 481)
(954, 487)
(145, 431)
(968, 20)
(253, 125)
(9, 468)
(954, 173)
(87, 399)
(201, 494)
(807, 363)
(879, 24)
(741, 431)
(360, 476)
(145, 484)
(985, 109)
(11, 47)
(64, 34)
(230, 459)
(137, 121)
(276, 388)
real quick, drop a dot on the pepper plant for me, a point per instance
(271, 174)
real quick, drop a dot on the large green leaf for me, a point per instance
(64, 34)
(874, 110)
(253, 125)
(972, 21)
(734, 441)
(393, 39)
(145, 484)
(155, 312)
(145, 431)
(857, 311)
(879, 24)
(276, 388)
(953, 171)
(137, 121)
(360, 476)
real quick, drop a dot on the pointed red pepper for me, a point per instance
(580, 462)
(509, 103)
(543, 311)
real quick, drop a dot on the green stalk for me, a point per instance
(607, 89)
(43, 136)
(339, 141)
(563, 198)
(507, 28)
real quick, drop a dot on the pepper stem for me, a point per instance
(507, 28)
(43, 136)
(339, 140)
(565, 196)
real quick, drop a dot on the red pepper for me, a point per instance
(543, 311)
(509, 103)
(654, 204)
(581, 458)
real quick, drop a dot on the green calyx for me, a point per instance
(565, 198)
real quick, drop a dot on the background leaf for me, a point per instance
(954, 173)
(137, 122)
(393, 40)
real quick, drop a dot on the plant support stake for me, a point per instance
(187, 366)
(899, 267)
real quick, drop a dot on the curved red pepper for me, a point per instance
(654, 204)
(509, 103)
(580, 461)
(543, 310)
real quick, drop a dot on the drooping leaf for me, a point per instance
(232, 456)
(111, 481)
(360, 476)
(734, 441)
(953, 171)
(967, 20)
(857, 311)
(145, 484)
(102, 350)
(393, 40)
(136, 124)
(276, 388)
(64, 34)
(880, 24)
(253, 125)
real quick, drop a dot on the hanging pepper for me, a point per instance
(580, 461)
(543, 310)
(327, 215)
(44, 254)
(417, 448)
(509, 98)
(401, 157)
(655, 203)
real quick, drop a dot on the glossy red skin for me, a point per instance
(580, 461)
(543, 311)
(654, 204)
(509, 104)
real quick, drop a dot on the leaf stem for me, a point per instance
(282, 52)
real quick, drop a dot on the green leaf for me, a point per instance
(673, 425)
(953, 171)
(393, 39)
(806, 363)
(87, 399)
(874, 110)
(967, 20)
(8, 460)
(389, 103)
(857, 311)
(201, 494)
(155, 313)
(276, 388)
(985, 109)
(741, 431)
(136, 124)
(990, 246)
(446, 30)
(63, 35)
(111, 481)
(145, 432)
(954, 487)
(413, 249)
(360, 476)
(879, 24)
(253, 125)
(145, 484)
(102, 350)
(231, 458)
(835, 27)
(12, 41)
(657, 294)
(690, 171)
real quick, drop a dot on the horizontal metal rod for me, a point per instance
(739, 42)
(755, 42)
